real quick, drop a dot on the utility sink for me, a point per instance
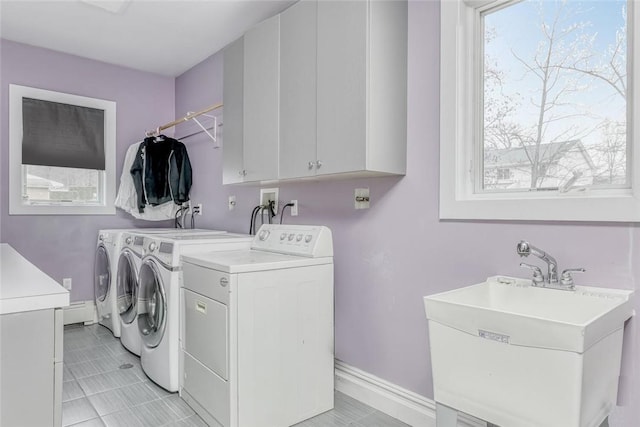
(517, 355)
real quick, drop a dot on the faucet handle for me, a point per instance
(566, 278)
(537, 273)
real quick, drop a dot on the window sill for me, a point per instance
(572, 207)
(60, 209)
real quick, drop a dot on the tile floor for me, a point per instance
(104, 385)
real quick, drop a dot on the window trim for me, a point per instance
(459, 105)
(16, 205)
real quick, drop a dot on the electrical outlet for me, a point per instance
(67, 283)
(294, 208)
(267, 195)
(361, 198)
(198, 209)
(232, 202)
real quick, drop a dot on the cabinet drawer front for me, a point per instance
(205, 332)
(209, 390)
(204, 281)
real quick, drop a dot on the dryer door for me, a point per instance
(102, 274)
(152, 312)
(127, 287)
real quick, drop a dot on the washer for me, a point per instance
(257, 346)
(159, 280)
(126, 284)
(105, 270)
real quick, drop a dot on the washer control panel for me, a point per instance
(301, 240)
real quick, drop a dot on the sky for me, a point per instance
(517, 28)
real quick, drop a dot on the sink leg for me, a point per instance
(446, 416)
(605, 423)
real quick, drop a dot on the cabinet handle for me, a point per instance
(242, 173)
(310, 165)
(318, 164)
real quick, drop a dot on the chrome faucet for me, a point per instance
(525, 249)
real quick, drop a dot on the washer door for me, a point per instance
(127, 287)
(102, 274)
(152, 312)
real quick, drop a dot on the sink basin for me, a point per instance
(518, 355)
(533, 316)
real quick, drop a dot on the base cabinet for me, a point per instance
(31, 372)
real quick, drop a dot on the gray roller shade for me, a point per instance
(63, 135)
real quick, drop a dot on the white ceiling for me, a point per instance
(165, 37)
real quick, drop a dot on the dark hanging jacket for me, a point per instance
(161, 172)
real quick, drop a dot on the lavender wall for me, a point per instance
(63, 246)
(388, 257)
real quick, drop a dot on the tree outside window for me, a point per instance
(555, 91)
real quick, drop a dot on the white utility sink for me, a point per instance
(518, 355)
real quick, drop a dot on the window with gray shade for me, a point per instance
(63, 135)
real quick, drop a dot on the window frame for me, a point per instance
(108, 179)
(460, 104)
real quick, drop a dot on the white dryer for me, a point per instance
(105, 269)
(126, 283)
(258, 329)
(159, 280)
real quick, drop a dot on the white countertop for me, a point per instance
(24, 287)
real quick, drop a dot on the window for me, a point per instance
(62, 153)
(536, 112)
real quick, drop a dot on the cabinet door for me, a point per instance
(298, 90)
(232, 162)
(27, 368)
(261, 99)
(342, 86)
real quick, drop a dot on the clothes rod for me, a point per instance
(183, 119)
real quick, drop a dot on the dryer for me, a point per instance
(257, 345)
(158, 313)
(126, 283)
(105, 269)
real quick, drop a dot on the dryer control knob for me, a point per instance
(291, 236)
(128, 240)
(263, 235)
(152, 246)
(298, 237)
(283, 236)
(101, 238)
(308, 238)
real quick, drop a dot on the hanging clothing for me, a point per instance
(161, 172)
(127, 198)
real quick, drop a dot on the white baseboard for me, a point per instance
(402, 404)
(80, 312)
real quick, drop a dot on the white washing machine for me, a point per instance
(257, 346)
(126, 284)
(159, 280)
(105, 270)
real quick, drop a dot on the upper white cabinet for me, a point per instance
(261, 100)
(325, 91)
(298, 40)
(362, 87)
(343, 88)
(232, 92)
(251, 97)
